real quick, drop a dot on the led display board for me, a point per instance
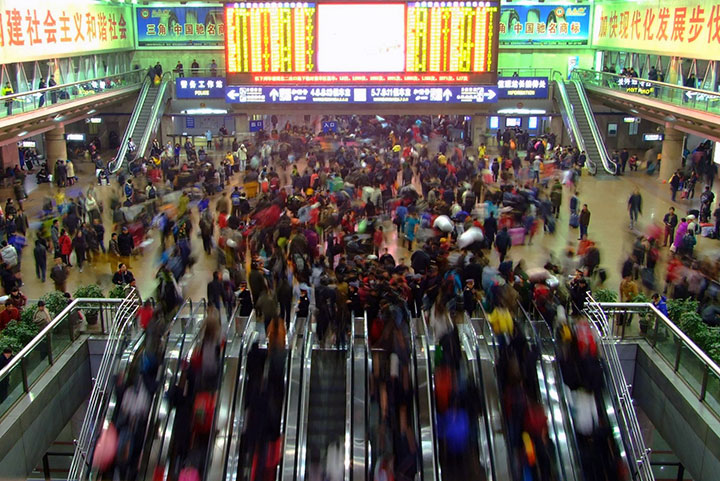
(362, 43)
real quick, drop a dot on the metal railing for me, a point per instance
(48, 97)
(688, 97)
(124, 324)
(620, 392)
(38, 355)
(526, 72)
(699, 372)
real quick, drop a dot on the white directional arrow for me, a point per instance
(490, 94)
(274, 94)
(447, 94)
(233, 94)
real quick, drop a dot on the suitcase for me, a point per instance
(517, 235)
(574, 221)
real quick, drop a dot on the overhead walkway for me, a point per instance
(38, 111)
(690, 110)
(144, 120)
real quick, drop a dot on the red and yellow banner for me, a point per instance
(38, 29)
(674, 28)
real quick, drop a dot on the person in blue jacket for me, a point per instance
(660, 302)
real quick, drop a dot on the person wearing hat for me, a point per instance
(245, 300)
(42, 316)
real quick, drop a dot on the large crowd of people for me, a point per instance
(388, 219)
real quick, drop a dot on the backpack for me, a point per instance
(235, 199)
(152, 193)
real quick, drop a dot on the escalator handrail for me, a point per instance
(159, 398)
(619, 393)
(413, 386)
(534, 336)
(115, 164)
(122, 328)
(609, 167)
(301, 459)
(155, 113)
(238, 420)
(471, 338)
(425, 341)
(368, 373)
(290, 348)
(349, 400)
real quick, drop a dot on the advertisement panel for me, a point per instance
(159, 27)
(309, 42)
(672, 27)
(532, 25)
(36, 30)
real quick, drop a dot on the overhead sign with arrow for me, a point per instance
(367, 94)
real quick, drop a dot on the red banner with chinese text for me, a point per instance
(675, 28)
(36, 29)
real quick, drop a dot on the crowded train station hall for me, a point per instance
(360, 240)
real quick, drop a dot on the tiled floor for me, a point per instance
(606, 198)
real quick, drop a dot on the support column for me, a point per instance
(674, 70)
(56, 146)
(479, 132)
(672, 149)
(9, 156)
(242, 127)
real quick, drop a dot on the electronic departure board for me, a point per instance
(361, 43)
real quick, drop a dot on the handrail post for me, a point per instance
(676, 366)
(703, 386)
(23, 371)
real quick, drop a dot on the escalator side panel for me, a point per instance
(359, 399)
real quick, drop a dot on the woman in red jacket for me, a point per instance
(65, 247)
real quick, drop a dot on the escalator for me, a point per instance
(144, 120)
(578, 113)
(473, 407)
(552, 396)
(325, 410)
(261, 429)
(591, 418)
(140, 376)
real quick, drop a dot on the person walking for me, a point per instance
(53, 95)
(502, 243)
(59, 274)
(675, 184)
(584, 221)
(80, 246)
(634, 207)
(208, 137)
(8, 90)
(670, 221)
(42, 85)
(194, 67)
(179, 70)
(65, 247)
(40, 254)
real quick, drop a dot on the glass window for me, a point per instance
(494, 122)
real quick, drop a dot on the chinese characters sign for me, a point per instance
(523, 87)
(180, 27)
(200, 88)
(379, 94)
(544, 25)
(635, 85)
(35, 30)
(682, 28)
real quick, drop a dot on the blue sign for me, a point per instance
(528, 25)
(180, 27)
(189, 122)
(522, 87)
(256, 125)
(365, 95)
(200, 87)
(329, 126)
